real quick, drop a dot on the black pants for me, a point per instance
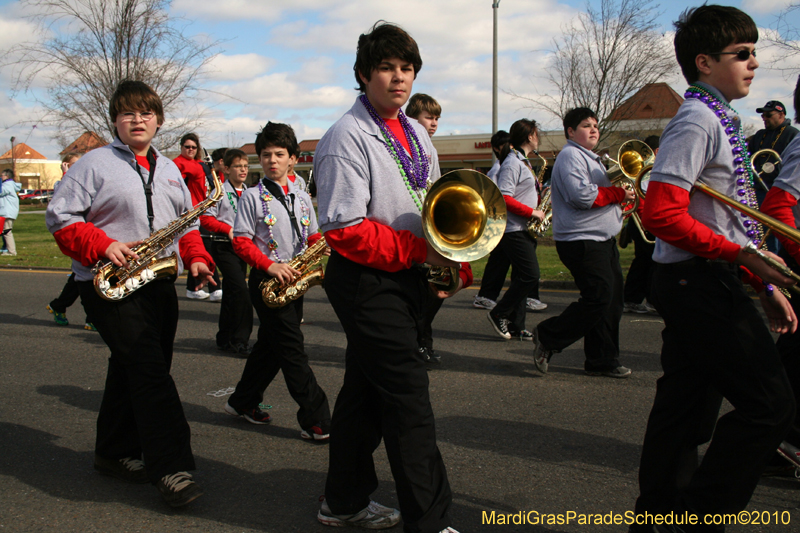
(715, 344)
(789, 349)
(68, 295)
(141, 413)
(494, 276)
(280, 347)
(640, 274)
(236, 312)
(384, 396)
(520, 248)
(191, 281)
(595, 316)
(426, 328)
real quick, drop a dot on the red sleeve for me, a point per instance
(752, 280)
(192, 249)
(83, 242)
(378, 246)
(312, 239)
(249, 252)
(518, 208)
(666, 216)
(213, 225)
(608, 195)
(465, 273)
(778, 204)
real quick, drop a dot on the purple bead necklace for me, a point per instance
(414, 170)
(270, 220)
(741, 158)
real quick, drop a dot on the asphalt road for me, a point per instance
(512, 439)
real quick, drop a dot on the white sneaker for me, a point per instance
(481, 302)
(373, 516)
(448, 530)
(215, 296)
(535, 305)
(197, 295)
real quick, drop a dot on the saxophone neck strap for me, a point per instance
(148, 185)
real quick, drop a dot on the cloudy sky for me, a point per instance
(291, 61)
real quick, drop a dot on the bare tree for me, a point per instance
(603, 57)
(88, 46)
(786, 39)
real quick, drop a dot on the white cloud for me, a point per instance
(236, 67)
(764, 6)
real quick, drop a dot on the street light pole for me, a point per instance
(13, 158)
(495, 7)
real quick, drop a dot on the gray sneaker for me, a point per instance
(541, 356)
(179, 489)
(373, 516)
(535, 305)
(127, 469)
(481, 302)
(620, 372)
(631, 307)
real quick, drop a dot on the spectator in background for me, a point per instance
(9, 210)
(640, 274)
(197, 176)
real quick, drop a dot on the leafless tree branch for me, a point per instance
(602, 58)
(86, 47)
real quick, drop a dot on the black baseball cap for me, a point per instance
(772, 105)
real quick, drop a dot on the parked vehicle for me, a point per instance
(36, 193)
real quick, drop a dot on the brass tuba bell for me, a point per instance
(463, 218)
(632, 157)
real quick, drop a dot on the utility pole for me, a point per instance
(495, 7)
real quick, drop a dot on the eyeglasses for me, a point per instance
(187, 147)
(767, 115)
(241, 167)
(741, 55)
(146, 116)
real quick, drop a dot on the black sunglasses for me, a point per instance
(741, 55)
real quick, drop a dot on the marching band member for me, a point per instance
(235, 313)
(372, 168)
(97, 213)
(586, 218)
(518, 186)
(781, 203)
(275, 222)
(715, 342)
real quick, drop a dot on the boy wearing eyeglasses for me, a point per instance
(715, 343)
(108, 201)
(236, 313)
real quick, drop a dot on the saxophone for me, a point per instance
(537, 228)
(115, 283)
(311, 274)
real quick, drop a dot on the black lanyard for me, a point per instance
(148, 185)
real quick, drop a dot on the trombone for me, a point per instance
(771, 224)
(632, 156)
(463, 218)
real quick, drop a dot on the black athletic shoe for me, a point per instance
(500, 325)
(127, 469)
(179, 489)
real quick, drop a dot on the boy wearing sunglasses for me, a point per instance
(715, 343)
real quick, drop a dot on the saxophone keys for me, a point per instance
(104, 285)
(147, 275)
